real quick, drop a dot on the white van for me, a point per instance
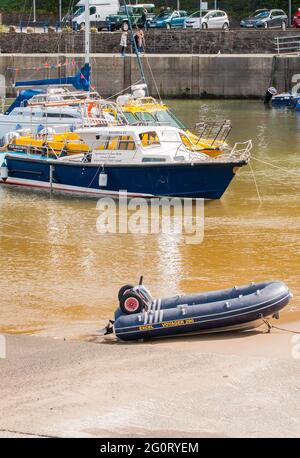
(99, 10)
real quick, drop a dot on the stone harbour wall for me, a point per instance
(181, 41)
(180, 75)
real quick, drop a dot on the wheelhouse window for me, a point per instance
(186, 141)
(144, 116)
(126, 142)
(130, 117)
(166, 117)
(116, 142)
(149, 139)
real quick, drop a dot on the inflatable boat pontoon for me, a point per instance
(139, 316)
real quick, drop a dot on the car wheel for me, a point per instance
(225, 26)
(204, 26)
(168, 26)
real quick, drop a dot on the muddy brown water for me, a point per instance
(56, 269)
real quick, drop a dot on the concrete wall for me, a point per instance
(157, 41)
(232, 76)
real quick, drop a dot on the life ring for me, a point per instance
(90, 106)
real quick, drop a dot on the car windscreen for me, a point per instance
(79, 11)
(123, 10)
(164, 14)
(197, 14)
(261, 14)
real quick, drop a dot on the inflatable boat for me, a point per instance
(139, 316)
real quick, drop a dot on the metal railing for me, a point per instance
(287, 45)
(33, 25)
(241, 151)
(213, 132)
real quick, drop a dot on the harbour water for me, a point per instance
(57, 270)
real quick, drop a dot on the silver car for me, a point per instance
(211, 19)
(267, 19)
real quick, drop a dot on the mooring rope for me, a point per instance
(285, 330)
(272, 326)
(154, 80)
(123, 90)
(276, 166)
(255, 182)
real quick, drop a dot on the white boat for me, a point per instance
(142, 160)
(58, 111)
(49, 103)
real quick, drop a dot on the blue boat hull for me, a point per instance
(198, 180)
(217, 311)
(285, 101)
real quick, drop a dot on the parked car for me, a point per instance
(168, 19)
(211, 19)
(266, 19)
(120, 20)
(296, 19)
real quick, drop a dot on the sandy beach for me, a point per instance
(228, 385)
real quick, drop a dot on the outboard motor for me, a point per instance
(269, 94)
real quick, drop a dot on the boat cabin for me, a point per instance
(136, 144)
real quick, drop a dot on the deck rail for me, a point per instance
(213, 132)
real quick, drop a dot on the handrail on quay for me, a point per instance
(34, 24)
(288, 44)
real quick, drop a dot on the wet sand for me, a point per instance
(229, 385)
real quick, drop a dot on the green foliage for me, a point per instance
(238, 8)
(41, 5)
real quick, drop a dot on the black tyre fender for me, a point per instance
(123, 290)
(131, 303)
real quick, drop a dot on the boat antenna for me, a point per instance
(87, 35)
(135, 47)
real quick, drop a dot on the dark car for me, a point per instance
(168, 19)
(267, 19)
(296, 19)
(119, 21)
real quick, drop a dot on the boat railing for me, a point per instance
(65, 98)
(241, 151)
(105, 113)
(213, 132)
(287, 45)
